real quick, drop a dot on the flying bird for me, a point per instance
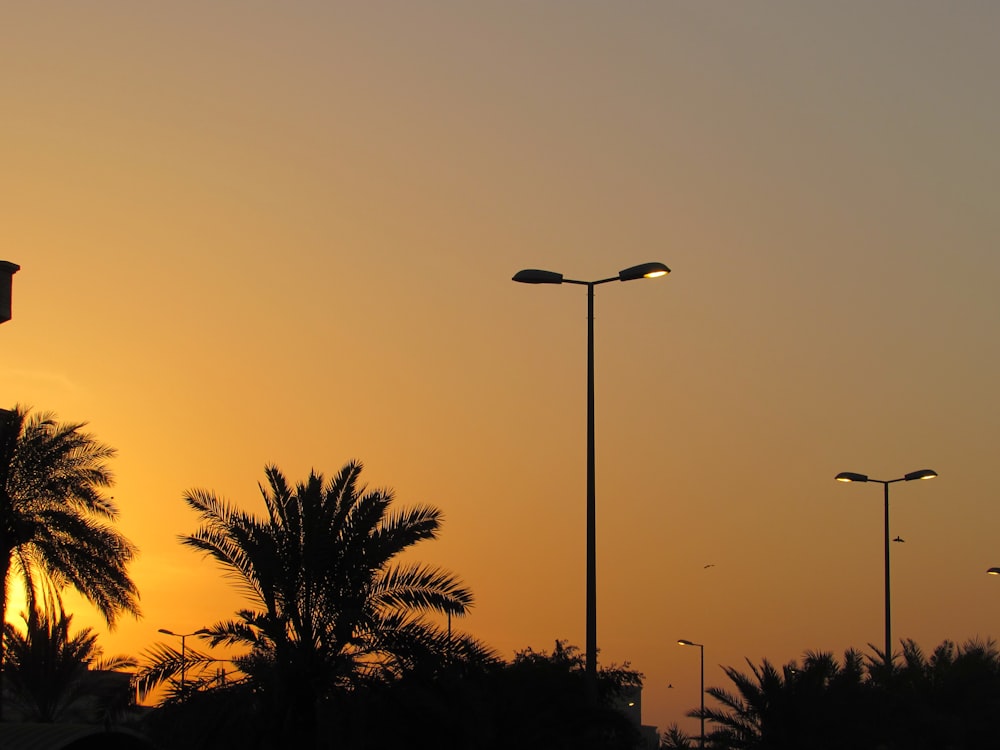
(710, 565)
(899, 539)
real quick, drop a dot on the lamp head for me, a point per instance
(685, 642)
(850, 476)
(993, 572)
(534, 276)
(165, 631)
(643, 271)
(922, 474)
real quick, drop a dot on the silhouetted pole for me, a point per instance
(850, 476)
(591, 621)
(535, 276)
(888, 599)
(183, 637)
(683, 642)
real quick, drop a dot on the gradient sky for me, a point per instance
(258, 232)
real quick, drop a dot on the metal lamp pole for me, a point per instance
(183, 637)
(535, 276)
(850, 476)
(684, 642)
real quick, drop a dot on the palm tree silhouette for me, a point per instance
(328, 603)
(47, 667)
(54, 516)
(819, 704)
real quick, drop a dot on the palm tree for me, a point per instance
(54, 516)
(673, 738)
(820, 704)
(47, 667)
(950, 698)
(741, 719)
(328, 604)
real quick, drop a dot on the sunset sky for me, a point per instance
(261, 232)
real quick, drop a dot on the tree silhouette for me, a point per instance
(54, 516)
(47, 668)
(673, 738)
(329, 606)
(537, 701)
(949, 700)
(820, 704)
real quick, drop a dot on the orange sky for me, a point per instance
(262, 232)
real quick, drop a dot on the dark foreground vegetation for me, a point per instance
(949, 700)
(535, 702)
(343, 644)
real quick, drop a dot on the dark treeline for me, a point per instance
(537, 701)
(949, 700)
(342, 643)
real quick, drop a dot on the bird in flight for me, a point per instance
(899, 539)
(710, 565)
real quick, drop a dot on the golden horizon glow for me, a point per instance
(203, 279)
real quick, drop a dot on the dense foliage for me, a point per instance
(330, 608)
(537, 701)
(51, 672)
(55, 520)
(950, 699)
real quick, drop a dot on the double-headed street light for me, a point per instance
(850, 476)
(683, 642)
(535, 276)
(183, 637)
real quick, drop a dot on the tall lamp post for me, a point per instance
(850, 476)
(534, 276)
(683, 642)
(183, 637)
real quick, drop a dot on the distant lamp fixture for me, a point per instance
(993, 572)
(7, 271)
(850, 476)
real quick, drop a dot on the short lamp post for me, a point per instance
(535, 276)
(183, 637)
(683, 642)
(850, 476)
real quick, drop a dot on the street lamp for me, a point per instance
(850, 476)
(683, 642)
(183, 637)
(535, 276)
(993, 572)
